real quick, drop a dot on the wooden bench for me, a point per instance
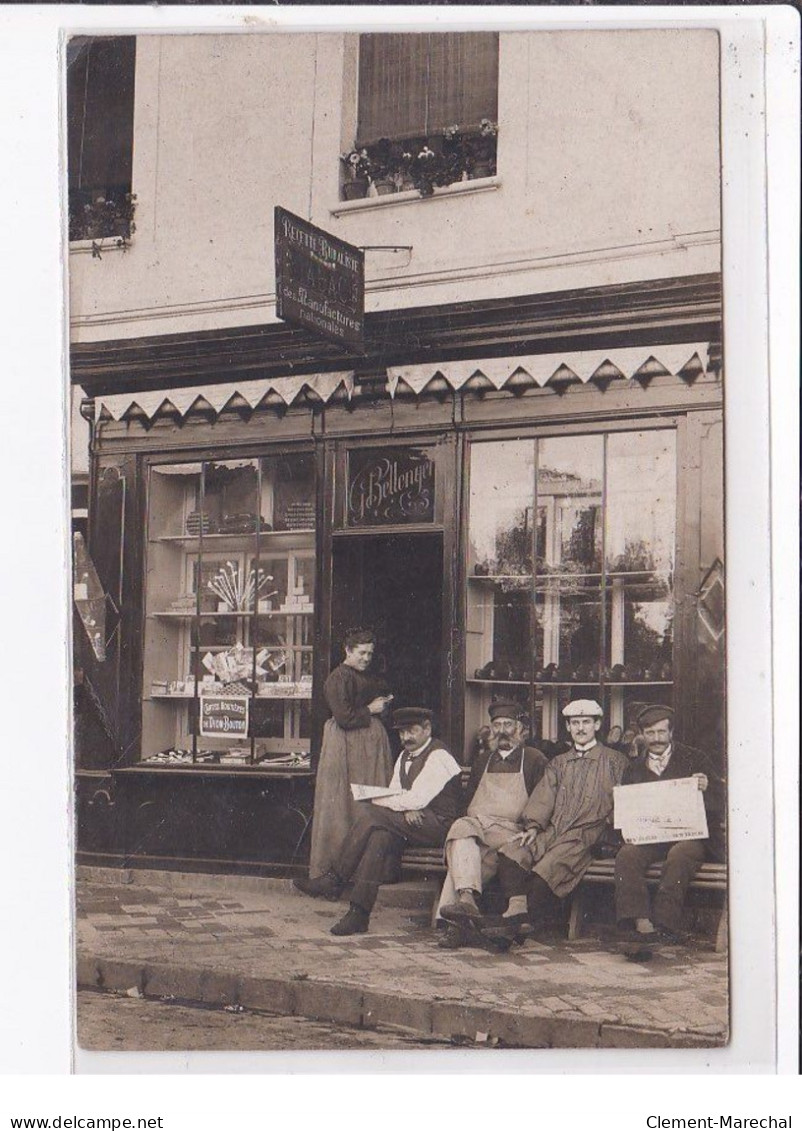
(710, 877)
(427, 861)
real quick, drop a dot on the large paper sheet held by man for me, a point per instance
(371, 792)
(654, 812)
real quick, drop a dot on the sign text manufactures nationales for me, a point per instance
(390, 486)
(320, 281)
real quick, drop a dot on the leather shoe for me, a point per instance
(354, 922)
(327, 886)
(508, 930)
(635, 945)
(453, 938)
(460, 912)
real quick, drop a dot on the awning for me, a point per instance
(218, 396)
(637, 361)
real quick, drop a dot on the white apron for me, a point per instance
(492, 820)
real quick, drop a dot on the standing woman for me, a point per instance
(355, 748)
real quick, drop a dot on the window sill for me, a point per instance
(104, 244)
(412, 196)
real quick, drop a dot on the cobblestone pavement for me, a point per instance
(277, 933)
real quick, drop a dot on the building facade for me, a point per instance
(517, 481)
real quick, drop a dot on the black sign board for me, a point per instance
(320, 281)
(389, 486)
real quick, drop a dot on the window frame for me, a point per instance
(674, 422)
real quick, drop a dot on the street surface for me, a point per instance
(114, 1022)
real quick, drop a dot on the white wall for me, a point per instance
(608, 172)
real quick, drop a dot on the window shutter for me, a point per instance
(463, 84)
(392, 86)
(415, 85)
(100, 112)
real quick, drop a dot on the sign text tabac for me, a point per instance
(320, 281)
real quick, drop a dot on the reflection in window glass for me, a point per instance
(569, 493)
(641, 502)
(501, 508)
(596, 619)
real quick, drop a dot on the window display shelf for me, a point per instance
(188, 696)
(576, 682)
(638, 683)
(230, 593)
(258, 769)
(546, 574)
(500, 682)
(499, 577)
(273, 539)
(170, 615)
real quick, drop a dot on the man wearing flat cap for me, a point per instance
(664, 759)
(502, 779)
(567, 814)
(425, 796)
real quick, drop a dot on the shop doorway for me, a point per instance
(393, 584)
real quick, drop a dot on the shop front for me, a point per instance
(521, 501)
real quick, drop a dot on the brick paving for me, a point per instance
(275, 935)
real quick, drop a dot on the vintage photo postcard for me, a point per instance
(399, 557)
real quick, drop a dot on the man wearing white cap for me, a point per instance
(567, 814)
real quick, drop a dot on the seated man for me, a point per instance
(502, 778)
(429, 798)
(567, 814)
(662, 759)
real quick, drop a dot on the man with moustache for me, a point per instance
(502, 778)
(567, 814)
(426, 798)
(664, 759)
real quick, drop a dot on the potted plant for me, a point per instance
(104, 217)
(403, 172)
(484, 145)
(457, 154)
(357, 168)
(428, 170)
(384, 160)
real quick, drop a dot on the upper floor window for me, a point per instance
(100, 135)
(427, 110)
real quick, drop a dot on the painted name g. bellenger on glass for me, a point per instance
(395, 486)
(320, 280)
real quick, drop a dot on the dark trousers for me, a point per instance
(631, 893)
(515, 880)
(376, 841)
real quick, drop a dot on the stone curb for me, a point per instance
(369, 1009)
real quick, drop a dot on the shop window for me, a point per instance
(427, 111)
(230, 592)
(100, 129)
(570, 575)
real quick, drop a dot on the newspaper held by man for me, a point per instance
(654, 812)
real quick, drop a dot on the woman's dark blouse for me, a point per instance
(348, 693)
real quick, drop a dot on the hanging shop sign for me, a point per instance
(390, 486)
(224, 716)
(320, 281)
